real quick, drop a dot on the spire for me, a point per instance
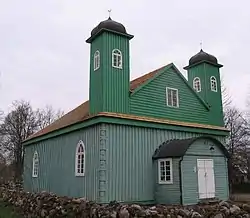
(109, 14)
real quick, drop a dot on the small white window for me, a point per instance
(213, 84)
(117, 58)
(35, 165)
(80, 159)
(172, 97)
(96, 60)
(197, 84)
(165, 171)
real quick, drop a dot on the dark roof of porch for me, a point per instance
(178, 147)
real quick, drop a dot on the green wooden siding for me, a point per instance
(130, 171)
(119, 164)
(199, 150)
(168, 193)
(109, 86)
(57, 165)
(97, 120)
(96, 78)
(151, 100)
(204, 71)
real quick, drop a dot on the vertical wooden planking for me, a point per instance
(151, 100)
(199, 150)
(57, 165)
(130, 168)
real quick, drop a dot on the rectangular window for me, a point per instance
(172, 97)
(165, 171)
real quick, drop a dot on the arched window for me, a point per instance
(96, 60)
(197, 84)
(80, 159)
(213, 83)
(35, 165)
(117, 58)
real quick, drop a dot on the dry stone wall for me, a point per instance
(47, 205)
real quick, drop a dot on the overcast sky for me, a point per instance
(44, 58)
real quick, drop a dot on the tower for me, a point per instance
(204, 77)
(109, 68)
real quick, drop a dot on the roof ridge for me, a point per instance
(81, 112)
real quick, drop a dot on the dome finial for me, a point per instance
(109, 13)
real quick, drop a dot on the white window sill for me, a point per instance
(165, 183)
(79, 175)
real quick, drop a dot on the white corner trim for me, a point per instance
(159, 171)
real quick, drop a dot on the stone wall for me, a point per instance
(49, 205)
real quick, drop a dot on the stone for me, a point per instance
(225, 210)
(234, 210)
(183, 212)
(113, 214)
(136, 206)
(124, 213)
(46, 204)
(219, 215)
(195, 215)
(43, 213)
(246, 207)
(224, 203)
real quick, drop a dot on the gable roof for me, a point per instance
(178, 147)
(81, 112)
(162, 70)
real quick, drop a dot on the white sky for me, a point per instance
(44, 58)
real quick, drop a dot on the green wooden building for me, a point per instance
(157, 139)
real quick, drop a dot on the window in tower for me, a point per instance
(197, 84)
(117, 59)
(96, 60)
(213, 84)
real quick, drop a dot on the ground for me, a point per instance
(7, 211)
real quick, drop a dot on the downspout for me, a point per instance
(180, 174)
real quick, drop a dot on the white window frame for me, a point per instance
(35, 165)
(195, 81)
(213, 80)
(96, 60)
(159, 171)
(177, 97)
(116, 53)
(80, 143)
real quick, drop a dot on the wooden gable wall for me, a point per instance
(150, 100)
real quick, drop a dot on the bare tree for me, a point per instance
(237, 142)
(226, 98)
(47, 116)
(17, 126)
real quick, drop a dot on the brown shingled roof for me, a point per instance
(82, 111)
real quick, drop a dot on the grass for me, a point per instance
(6, 211)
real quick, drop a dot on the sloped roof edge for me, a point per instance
(178, 147)
(81, 112)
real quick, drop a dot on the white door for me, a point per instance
(206, 183)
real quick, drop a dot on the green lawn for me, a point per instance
(7, 211)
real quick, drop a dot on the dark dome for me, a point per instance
(110, 25)
(202, 56)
